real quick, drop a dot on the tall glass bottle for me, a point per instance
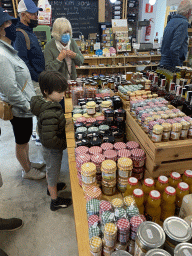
(82, 44)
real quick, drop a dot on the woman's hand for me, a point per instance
(71, 54)
(62, 55)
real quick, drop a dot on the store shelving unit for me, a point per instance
(115, 63)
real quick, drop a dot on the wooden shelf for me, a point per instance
(121, 57)
(127, 66)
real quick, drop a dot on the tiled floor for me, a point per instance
(45, 233)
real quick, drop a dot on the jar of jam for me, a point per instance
(110, 235)
(138, 173)
(176, 131)
(117, 203)
(108, 187)
(108, 169)
(166, 131)
(105, 105)
(125, 166)
(91, 108)
(185, 130)
(122, 184)
(147, 187)
(111, 155)
(146, 124)
(187, 178)
(157, 133)
(138, 195)
(162, 183)
(168, 203)
(181, 191)
(153, 208)
(132, 184)
(95, 246)
(129, 200)
(174, 179)
(120, 115)
(109, 115)
(88, 174)
(138, 157)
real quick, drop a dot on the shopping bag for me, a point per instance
(5, 111)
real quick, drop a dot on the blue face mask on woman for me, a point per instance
(65, 38)
(10, 32)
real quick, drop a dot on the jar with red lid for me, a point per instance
(138, 195)
(187, 178)
(81, 150)
(123, 230)
(107, 146)
(95, 150)
(138, 157)
(168, 203)
(138, 172)
(174, 179)
(147, 187)
(110, 155)
(162, 183)
(153, 208)
(119, 145)
(181, 191)
(132, 145)
(124, 153)
(132, 184)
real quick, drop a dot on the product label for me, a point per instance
(149, 233)
(190, 132)
(175, 135)
(166, 135)
(184, 133)
(90, 111)
(109, 176)
(88, 179)
(186, 252)
(156, 137)
(123, 174)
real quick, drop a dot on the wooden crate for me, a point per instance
(164, 157)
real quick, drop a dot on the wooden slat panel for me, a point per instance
(101, 11)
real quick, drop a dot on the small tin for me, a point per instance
(80, 136)
(157, 252)
(150, 235)
(108, 139)
(81, 129)
(82, 142)
(183, 249)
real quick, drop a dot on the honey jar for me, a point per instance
(110, 234)
(176, 131)
(157, 133)
(108, 169)
(185, 129)
(88, 173)
(166, 131)
(91, 108)
(108, 187)
(125, 166)
(117, 203)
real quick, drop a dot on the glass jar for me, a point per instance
(88, 173)
(122, 184)
(168, 203)
(91, 108)
(138, 157)
(129, 200)
(117, 203)
(138, 195)
(95, 246)
(190, 130)
(110, 234)
(176, 131)
(108, 169)
(132, 184)
(157, 133)
(108, 187)
(174, 179)
(162, 183)
(187, 178)
(105, 105)
(153, 209)
(181, 191)
(146, 123)
(147, 187)
(125, 166)
(166, 131)
(109, 115)
(185, 130)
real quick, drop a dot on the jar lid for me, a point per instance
(188, 173)
(175, 175)
(183, 186)
(82, 158)
(157, 252)
(95, 243)
(123, 225)
(172, 115)
(138, 192)
(164, 116)
(86, 115)
(119, 145)
(138, 153)
(92, 206)
(156, 117)
(166, 127)
(93, 129)
(129, 200)
(100, 118)
(109, 165)
(180, 114)
(170, 191)
(111, 154)
(81, 150)
(88, 167)
(110, 229)
(81, 119)
(154, 194)
(105, 206)
(90, 120)
(185, 125)
(158, 129)
(107, 146)
(135, 221)
(125, 162)
(124, 153)
(133, 181)
(117, 202)
(183, 249)
(163, 179)
(149, 182)
(104, 127)
(106, 104)
(149, 119)
(75, 116)
(91, 104)
(92, 192)
(93, 219)
(95, 150)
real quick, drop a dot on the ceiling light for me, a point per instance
(152, 2)
(112, 1)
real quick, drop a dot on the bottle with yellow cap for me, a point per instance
(157, 133)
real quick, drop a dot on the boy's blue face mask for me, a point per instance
(65, 38)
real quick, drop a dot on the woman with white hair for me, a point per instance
(175, 39)
(61, 52)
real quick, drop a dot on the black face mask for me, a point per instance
(10, 32)
(33, 23)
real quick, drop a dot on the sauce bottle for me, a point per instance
(174, 179)
(138, 195)
(162, 183)
(147, 187)
(181, 191)
(168, 203)
(153, 208)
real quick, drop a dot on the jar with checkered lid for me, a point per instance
(95, 244)
(94, 230)
(123, 230)
(110, 155)
(92, 192)
(138, 195)
(132, 184)
(95, 150)
(125, 166)
(129, 200)
(120, 213)
(93, 207)
(110, 234)
(117, 203)
(122, 184)
(93, 219)
(108, 187)
(131, 211)
(107, 146)
(88, 174)
(138, 157)
(81, 150)
(104, 206)
(82, 159)
(124, 153)
(119, 145)
(108, 169)
(135, 222)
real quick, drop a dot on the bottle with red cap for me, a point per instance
(147, 187)
(168, 203)
(187, 178)
(162, 183)
(153, 208)
(132, 184)
(181, 191)
(174, 179)
(138, 195)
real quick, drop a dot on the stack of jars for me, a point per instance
(108, 169)
(80, 160)
(110, 236)
(125, 167)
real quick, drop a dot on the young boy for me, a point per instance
(51, 128)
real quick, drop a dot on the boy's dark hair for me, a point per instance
(50, 81)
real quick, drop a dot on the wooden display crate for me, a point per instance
(161, 158)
